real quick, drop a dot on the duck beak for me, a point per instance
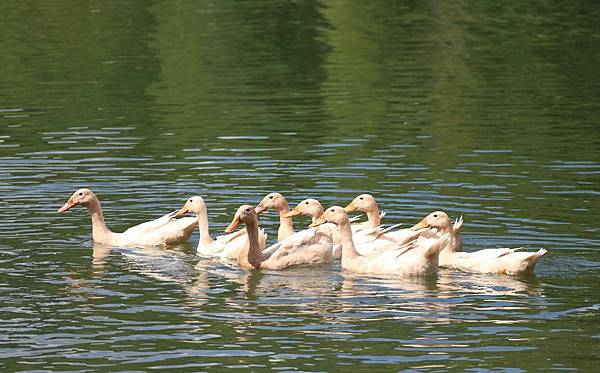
(293, 212)
(234, 224)
(70, 203)
(259, 208)
(351, 207)
(319, 221)
(182, 211)
(420, 225)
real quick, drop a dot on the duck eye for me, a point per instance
(435, 216)
(191, 200)
(247, 210)
(80, 193)
(361, 198)
(306, 203)
(270, 197)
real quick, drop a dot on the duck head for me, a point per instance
(245, 214)
(335, 214)
(438, 220)
(194, 204)
(273, 201)
(310, 207)
(364, 202)
(81, 196)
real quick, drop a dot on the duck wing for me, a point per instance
(163, 230)
(309, 246)
(230, 245)
(151, 225)
(501, 260)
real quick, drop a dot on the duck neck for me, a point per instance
(316, 216)
(100, 232)
(374, 217)
(251, 256)
(286, 227)
(348, 248)
(205, 238)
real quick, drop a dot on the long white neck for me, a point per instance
(100, 232)
(205, 238)
(286, 227)
(348, 248)
(374, 217)
(251, 256)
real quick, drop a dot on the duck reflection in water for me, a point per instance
(79, 280)
(171, 264)
(458, 282)
(100, 253)
(436, 298)
(409, 298)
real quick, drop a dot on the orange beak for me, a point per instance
(70, 203)
(293, 212)
(420, 225)
(259, 208)
(182, 211)
(234, 224)
(320, 220)
(351, 207)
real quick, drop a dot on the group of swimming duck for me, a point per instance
(364, 248)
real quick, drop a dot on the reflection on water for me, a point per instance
(486, 110)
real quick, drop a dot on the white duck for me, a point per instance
(161, 231)
(502, 261)
(305, 247)
(416, 258)
(227, 246)
(275, 201)
(374, 239)
(313, 208)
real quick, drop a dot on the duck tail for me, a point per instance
(518, 263)
(533, 258)
(457, 224)
(355, 218)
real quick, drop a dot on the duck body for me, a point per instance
(161, 231)
(309, 246)
(229, 246)
(417, 258)
(501, 261)
(378, 242)
(305, 247)
(370, 238)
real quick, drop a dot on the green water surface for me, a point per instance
(489, 109)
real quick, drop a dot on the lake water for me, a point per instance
(486, 109)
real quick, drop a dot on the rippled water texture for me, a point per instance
(482, 108)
